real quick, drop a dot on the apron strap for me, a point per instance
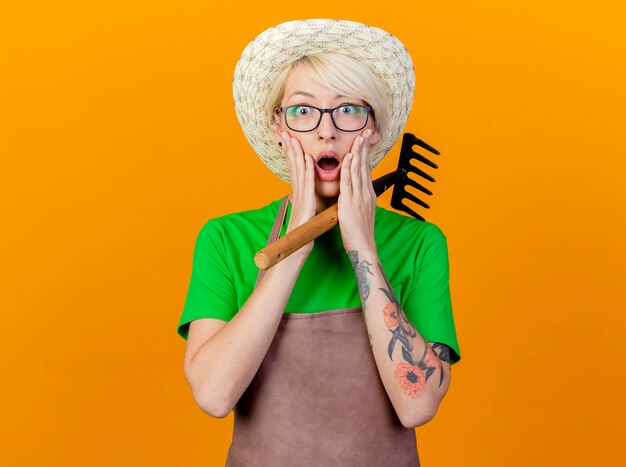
(275, 233)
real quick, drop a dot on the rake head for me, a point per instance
(400, 177)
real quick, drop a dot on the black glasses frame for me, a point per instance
(367, 109)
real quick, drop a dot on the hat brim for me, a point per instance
(276, 48)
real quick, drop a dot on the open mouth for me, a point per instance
(328, 163)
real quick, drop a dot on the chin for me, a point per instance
(327, 189)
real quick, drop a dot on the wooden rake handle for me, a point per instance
(316, 226)
(297, 238)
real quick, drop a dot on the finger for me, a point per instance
(299, 164)
(309, 178)
(355, 168)
(345, 183)
(294, 152)
(287, 152)
(366, 169)
(298, 159)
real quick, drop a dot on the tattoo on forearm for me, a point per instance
(444, 356)
(412, 375)
(361, 269)
(444, 352)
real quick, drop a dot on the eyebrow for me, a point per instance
(307, 94)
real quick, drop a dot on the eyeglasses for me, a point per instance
(346, 117)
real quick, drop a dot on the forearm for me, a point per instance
(415, 373)
(223, 366)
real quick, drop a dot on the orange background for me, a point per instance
(119, 140)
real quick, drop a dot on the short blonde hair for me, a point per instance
(343, 75)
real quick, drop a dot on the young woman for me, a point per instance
(334, 354)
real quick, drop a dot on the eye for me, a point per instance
(299, 111)
(351, 109)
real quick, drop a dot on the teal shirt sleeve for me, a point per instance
(212, 292)
(427, 303)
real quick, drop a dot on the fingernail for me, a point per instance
(360, 140)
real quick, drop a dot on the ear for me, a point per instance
(376, 137)
(276, 129)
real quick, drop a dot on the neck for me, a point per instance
(324, 203)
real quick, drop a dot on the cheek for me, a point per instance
(305, 140)
(349, 142)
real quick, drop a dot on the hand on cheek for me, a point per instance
(302, 175)
(357, 200)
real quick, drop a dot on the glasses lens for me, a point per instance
(350, 117)
(302, 118)
(347, 117)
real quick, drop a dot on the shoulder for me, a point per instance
(246, 222)
(408, 244)
(392, 224)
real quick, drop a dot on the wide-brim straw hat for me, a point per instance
(276, 48)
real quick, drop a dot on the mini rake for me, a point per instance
(327, 219)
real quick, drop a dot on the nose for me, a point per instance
(326, 128)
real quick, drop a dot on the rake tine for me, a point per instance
(426, 161)
(415, 199)
(408, 210)
(421, 173)
(417, 186)
(425, 145)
